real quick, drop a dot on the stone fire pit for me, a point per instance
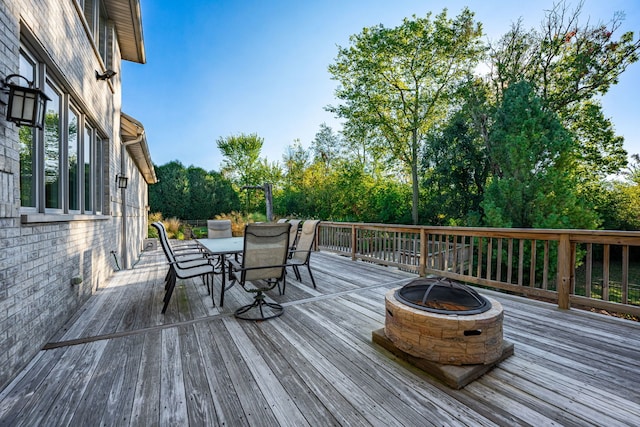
(456, 348)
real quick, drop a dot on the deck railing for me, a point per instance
(589, 268)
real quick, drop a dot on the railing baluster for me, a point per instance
(479, 272)
(545, 268)
(489, 257)
(532, 267)
(520, 262)
(625, 274)
(471, 245)
(510, 261)
(454, 267)
(605, 272)
(589, 270)
(574, 254)
(499, 261)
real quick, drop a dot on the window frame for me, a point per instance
(41, 212)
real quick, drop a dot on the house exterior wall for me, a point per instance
(41, 254)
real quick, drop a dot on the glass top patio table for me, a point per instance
(223, 246)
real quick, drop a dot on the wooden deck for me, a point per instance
(121, 362)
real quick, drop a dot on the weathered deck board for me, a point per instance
(121, 362)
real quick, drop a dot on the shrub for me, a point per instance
(152, 233)
(173, 226)
(238, 221)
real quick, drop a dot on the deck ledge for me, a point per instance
(40, 218)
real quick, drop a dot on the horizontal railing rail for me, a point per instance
(597, 269)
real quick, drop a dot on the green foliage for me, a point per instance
(571, 66)
(396, 82)
(423, 139)
(618, 204)
(532, 183)
(191, 193)
(169, 195)
(456, 162)
(243, 166)
(241, 158)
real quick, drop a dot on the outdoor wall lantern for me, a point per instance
(122, 180)
(106, 75)
(27, 105)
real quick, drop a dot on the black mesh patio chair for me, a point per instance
(183, 268)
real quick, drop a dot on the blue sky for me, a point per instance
(220, 68)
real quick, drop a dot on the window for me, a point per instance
(100, 28)
(99, 184)
(89, 8)
(73, 161)
(60, 165)
(26, 137)
(87, 152)
(52, 140)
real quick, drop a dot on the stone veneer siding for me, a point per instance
(39, 260)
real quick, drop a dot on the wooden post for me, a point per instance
(564, 272)
(353, 242)
(423, 253)
(268, 197)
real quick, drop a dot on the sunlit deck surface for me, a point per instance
(119, 361)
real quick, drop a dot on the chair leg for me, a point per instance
(311, 275)
(297, 273)
(168, 293)
(210, 279)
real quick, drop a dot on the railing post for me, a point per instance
(353, 242)
(423, 252)
(564, 272)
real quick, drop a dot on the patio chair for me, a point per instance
(301, 254)
(184, 250)
(262, 267)
(183, 267)
(293, 233)
(219, 228)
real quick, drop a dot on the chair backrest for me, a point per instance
(219, 228)
(293, 233)
(164, 242)
(305, 240)
(265, 250)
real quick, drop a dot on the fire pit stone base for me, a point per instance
(450, 339)
(453, 376)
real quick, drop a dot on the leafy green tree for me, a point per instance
(457, 162)
(295, 160)
(533, 184)
(209, 194)
(570, 65)
(171, 194)
(326, 146)
(289, 200)
(241, 157)
(242, 164)
(398, 80)
(618, 201)
(191, 193)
